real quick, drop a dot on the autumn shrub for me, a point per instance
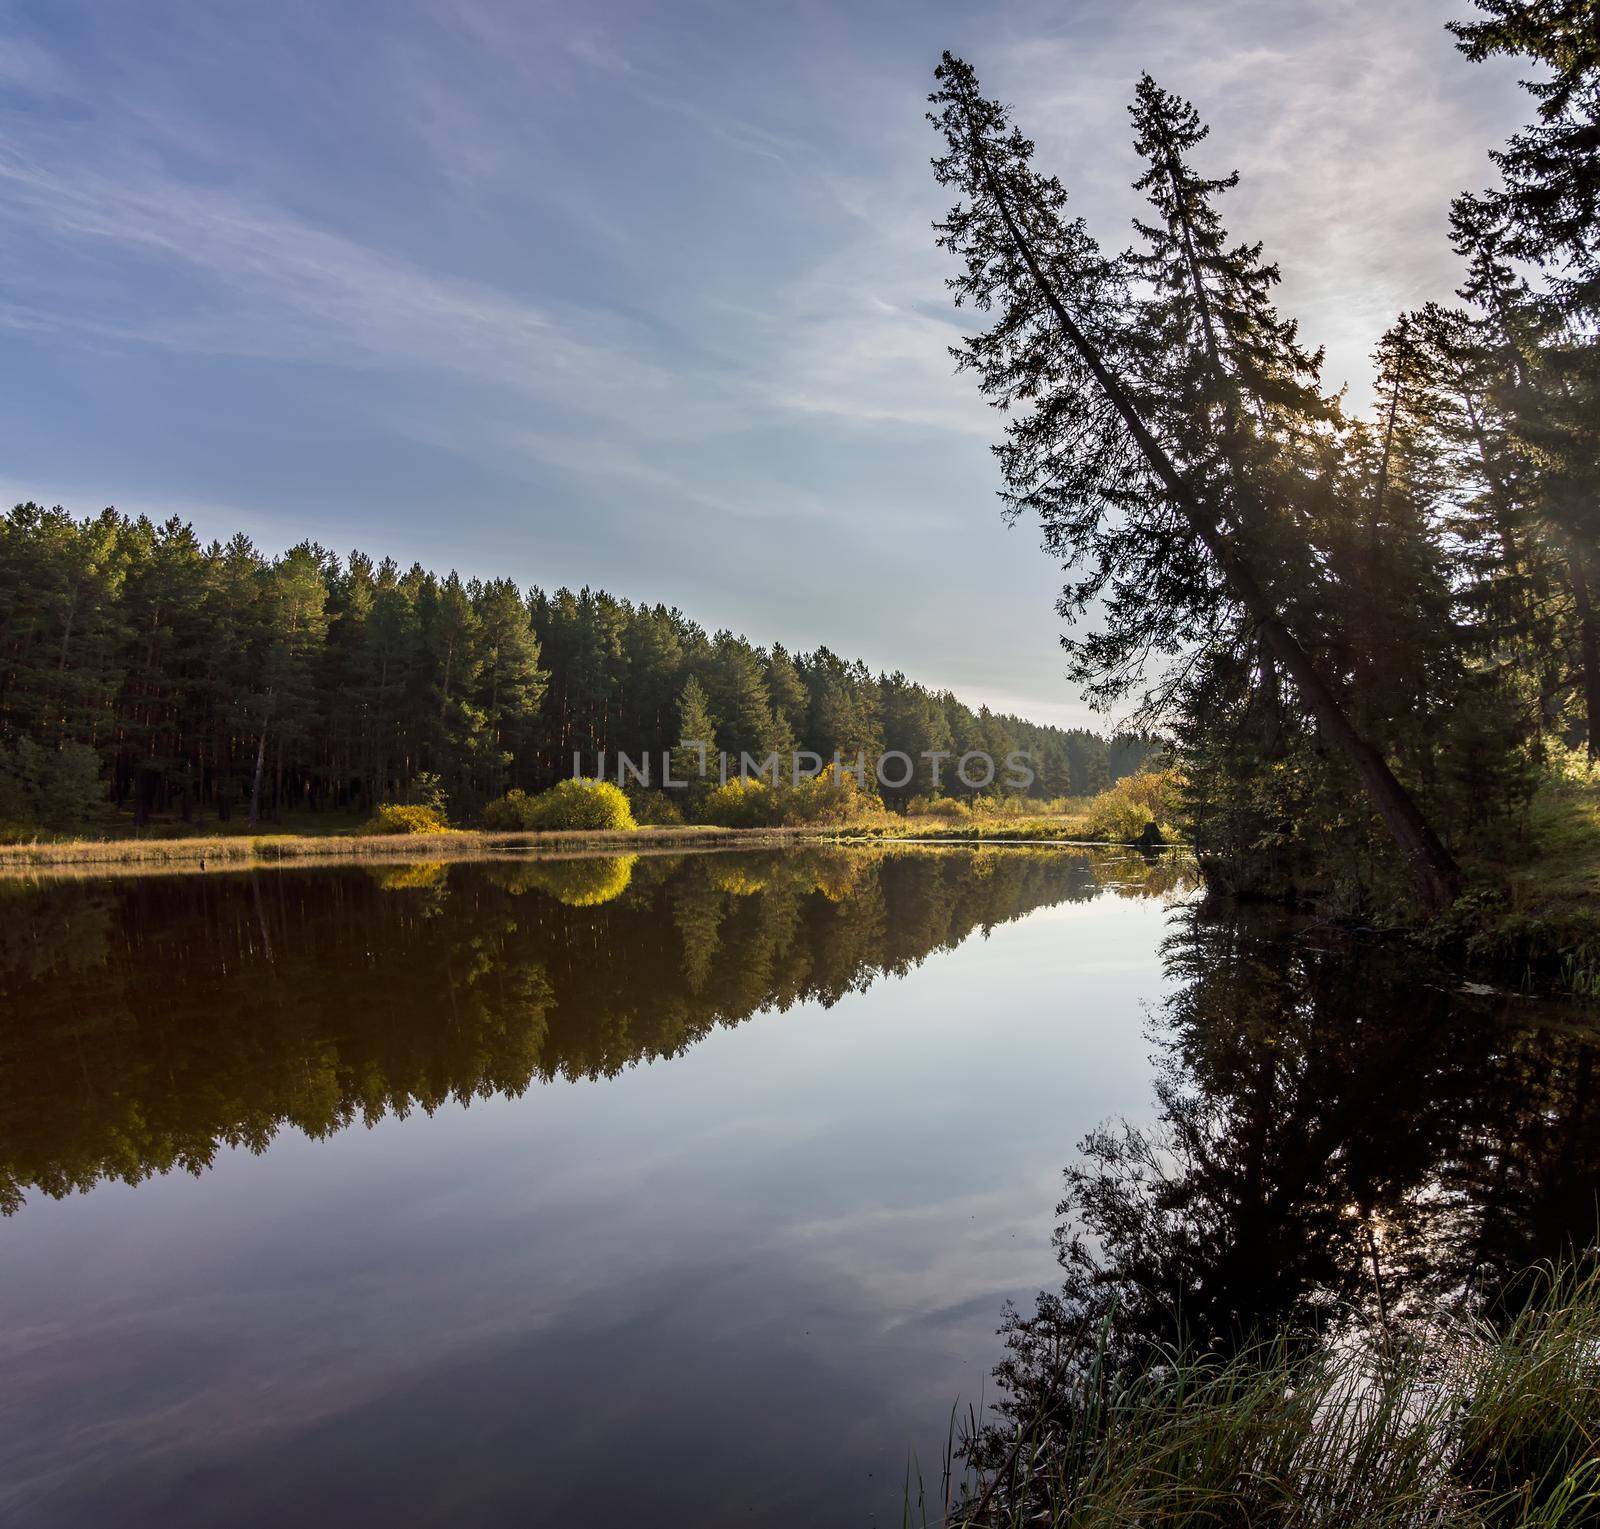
(656, 809)
(756, 803)
(1003, 806)
(1063, 806)
(395, 818)
(592, 806)
(744, 804)
(1121, 815)
(509, 814)
(937, 807)
(825, 799)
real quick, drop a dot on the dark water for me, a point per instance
(688, 1190)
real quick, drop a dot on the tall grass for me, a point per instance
(1457, 1424)
(1534, 910)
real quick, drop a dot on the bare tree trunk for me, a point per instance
(261, 760)
(1588, 642)
(1433, 870)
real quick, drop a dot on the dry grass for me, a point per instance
(239, 852)
(1060, 827)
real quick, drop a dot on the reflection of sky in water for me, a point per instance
(736, 1286)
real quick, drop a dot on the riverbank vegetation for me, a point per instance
(238, 851)
(576, 814)
(1535, 913)
(1456, 1422)
(1369, 639)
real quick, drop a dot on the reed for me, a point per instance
(1457, 1423)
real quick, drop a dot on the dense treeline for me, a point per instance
(139, 664)
(1362, 633)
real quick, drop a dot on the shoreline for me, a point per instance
(249, 851)
(238, 852)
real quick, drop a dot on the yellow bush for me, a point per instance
(393, 818)
(509, 814)
(1001, 807)
(826, 800)
(744, 804)
(595, 806)
(760, 804)
(1120, 815)
(937, 807)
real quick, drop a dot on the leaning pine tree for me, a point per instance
(1158, 442)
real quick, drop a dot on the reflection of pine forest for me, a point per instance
(152, 1021)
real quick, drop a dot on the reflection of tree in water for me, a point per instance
(410, 878)
(150, 1021)
(1333, 1128)
(584, 882)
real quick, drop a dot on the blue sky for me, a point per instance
(644, 296)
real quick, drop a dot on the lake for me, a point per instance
(692, 1188)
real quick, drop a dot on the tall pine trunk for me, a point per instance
(1588, 641)
(261, 762)
(255, 785)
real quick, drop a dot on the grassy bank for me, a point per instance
(236, 851)
(1453, 1423)
(310, 838)
(1535, 913)
(1068, 828)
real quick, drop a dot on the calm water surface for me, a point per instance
(681, 1190)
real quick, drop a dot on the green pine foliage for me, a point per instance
(144, 673)
(1365, 638)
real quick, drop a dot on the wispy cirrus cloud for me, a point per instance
(264, 284)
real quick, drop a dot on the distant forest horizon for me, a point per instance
(141, 666)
